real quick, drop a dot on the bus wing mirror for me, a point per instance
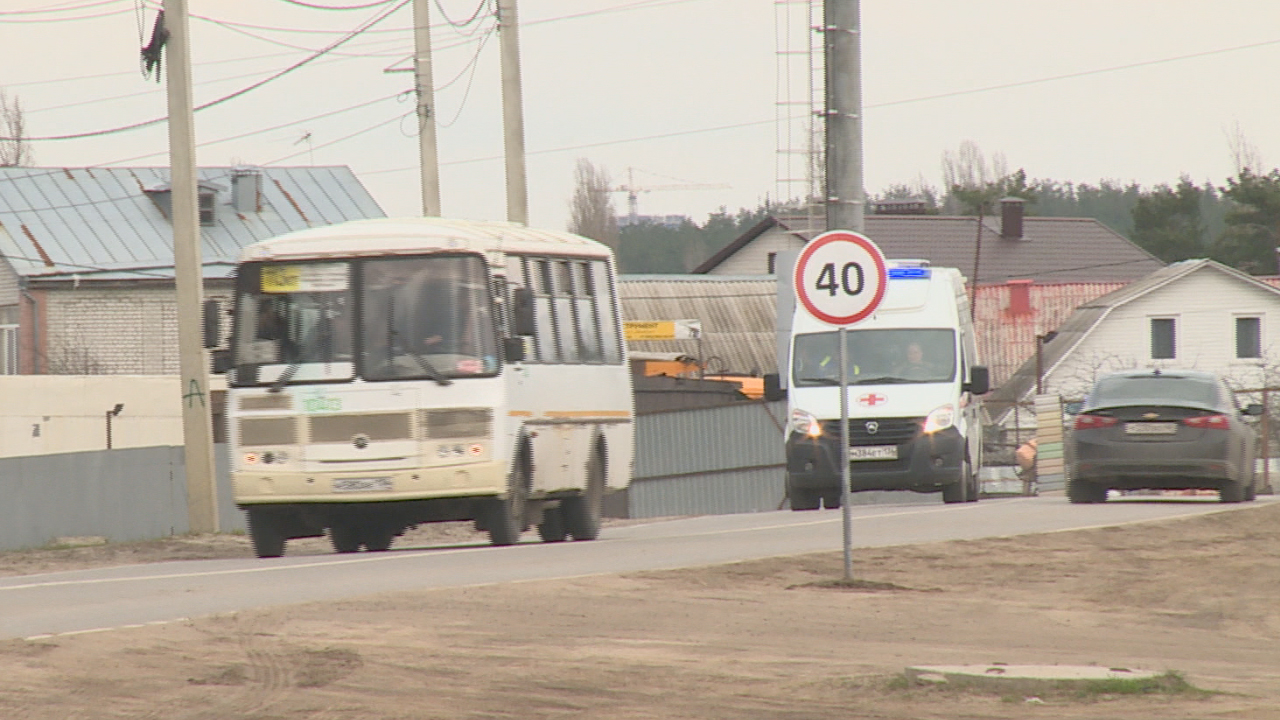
(220, 361)
(522, 311)
(979, 380)
(513, 349)
(773, 389)
(211, 320)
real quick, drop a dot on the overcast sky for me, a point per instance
(663, 94)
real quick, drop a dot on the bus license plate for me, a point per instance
(873, 452)
(373, 484)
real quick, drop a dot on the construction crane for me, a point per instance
(633, 191)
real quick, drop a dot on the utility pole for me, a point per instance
(842, 40)
(428, 158)
(197, 427)
(512, 113)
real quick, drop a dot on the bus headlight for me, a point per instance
(940, 419)
(805, 423)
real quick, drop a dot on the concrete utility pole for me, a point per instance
(197, 427)
(512, 113)
(842, 40)
(428, 158)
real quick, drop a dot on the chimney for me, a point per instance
(1019, 297)
(1011, 218)
(246, 186)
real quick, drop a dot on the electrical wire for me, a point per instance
(366, 6)
(225, 98)
(464, 23)
(55, 9)
(45, 21)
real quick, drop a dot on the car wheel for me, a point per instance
(1231, 492)
(1083, 491)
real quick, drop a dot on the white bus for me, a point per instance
(386, 373)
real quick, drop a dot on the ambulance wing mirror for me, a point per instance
(979, 380)
(773, 389)
(522, 311)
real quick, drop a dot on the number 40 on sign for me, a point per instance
(840, 277)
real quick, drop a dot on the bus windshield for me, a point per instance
(426, 317)
(908, 355)
(395, 318)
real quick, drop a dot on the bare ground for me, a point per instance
(778, 638)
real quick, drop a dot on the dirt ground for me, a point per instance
(768, 639)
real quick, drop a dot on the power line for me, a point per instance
(225, 98)
(70, 8)
(299, 3)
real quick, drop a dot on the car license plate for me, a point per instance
(1151, 428)
(373, 484)
(873, 452)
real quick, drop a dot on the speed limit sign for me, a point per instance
(840, 277)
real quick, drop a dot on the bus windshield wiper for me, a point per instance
(304, 348)
(430, 369)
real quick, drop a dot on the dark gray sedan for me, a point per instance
(1165, 430)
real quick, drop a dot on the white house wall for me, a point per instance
(46, 414)
(114, 330)
(753, 259)
(1205, 305)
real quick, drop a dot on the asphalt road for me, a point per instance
(92, 600)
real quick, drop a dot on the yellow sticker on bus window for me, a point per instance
(281, 278)
(317, 277)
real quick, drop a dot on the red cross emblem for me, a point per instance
(872, 399)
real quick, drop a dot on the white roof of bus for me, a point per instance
(413, 235)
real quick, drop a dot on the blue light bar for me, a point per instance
(910, 273)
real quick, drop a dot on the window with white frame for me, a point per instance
(9, 340)
(1248, 337)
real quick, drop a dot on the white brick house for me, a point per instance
(86, 256)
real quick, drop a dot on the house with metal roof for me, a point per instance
(86, 255)
(1194, 314)
(993, 250)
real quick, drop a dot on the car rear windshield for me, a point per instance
(1154, 390)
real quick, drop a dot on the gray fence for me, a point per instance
(709, 461)
(121, 495)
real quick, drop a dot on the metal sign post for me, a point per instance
(840, 279)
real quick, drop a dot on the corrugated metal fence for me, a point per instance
(709, 461)
(121, 495)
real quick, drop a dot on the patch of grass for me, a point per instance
(1018, 690)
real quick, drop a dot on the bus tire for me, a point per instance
(378, 538)
(344, 535)
(506, 515)
(804, 498)
(552, 529)
(582, 512)
(956, 492)
(266, 532)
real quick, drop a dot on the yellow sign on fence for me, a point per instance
(662, 329)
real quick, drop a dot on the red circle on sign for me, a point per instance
(860, 245)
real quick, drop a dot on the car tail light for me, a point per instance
(1209, 422)
(1093, 422)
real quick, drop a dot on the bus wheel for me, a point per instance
(345, 536)
(803, 498)
(266, 533)
(378, 538)
(552, 529)
(506, 515)
(582, 512)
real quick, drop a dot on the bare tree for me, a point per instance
(15, 149)
(1244, 154)
(591, 210)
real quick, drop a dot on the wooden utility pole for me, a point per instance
(512, 113)
(428, 158)
(843, 68)
(197, 426)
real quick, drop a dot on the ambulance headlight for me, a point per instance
(940, 419)
(805, 423)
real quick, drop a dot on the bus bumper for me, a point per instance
(476, 479)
